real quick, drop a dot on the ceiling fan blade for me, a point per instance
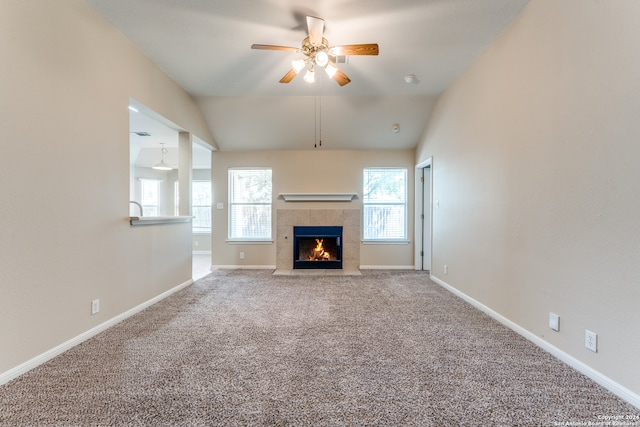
(340, 77)
(355, 49)
(289, 76)
(272, 47)
(316, 29)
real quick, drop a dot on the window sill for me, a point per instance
(153, 220)
(249, 242)
(386, 242)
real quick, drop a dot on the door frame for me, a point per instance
(423, 206)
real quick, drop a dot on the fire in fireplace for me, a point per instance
(317, 247)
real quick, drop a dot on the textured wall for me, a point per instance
(67, 77)
(535, 170)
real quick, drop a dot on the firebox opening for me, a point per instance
(317, 247)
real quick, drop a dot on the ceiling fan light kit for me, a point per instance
(331, 70)
(298, 64)
(322, 58)
(318, 52)
(310, 76)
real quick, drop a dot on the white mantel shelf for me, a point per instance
(151, 220)
(318, 197)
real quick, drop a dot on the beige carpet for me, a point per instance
(251, 348)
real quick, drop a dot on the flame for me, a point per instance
(319, 254)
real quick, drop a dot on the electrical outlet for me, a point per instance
(241, 255)
(446, 269)
(591, 341)
(95, 306)
(554, 321)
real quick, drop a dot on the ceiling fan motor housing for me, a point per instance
(311, 50)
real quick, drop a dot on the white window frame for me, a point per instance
(202, 230)
(232, 204)
(176, 204)
(176, 198)
(159, 195)
(403, 203)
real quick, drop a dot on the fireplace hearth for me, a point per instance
(317, 247)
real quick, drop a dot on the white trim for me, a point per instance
(423, 261)
(386, 267)
(243, 267)
(606, 382)
(425, 163)
(317, 197)
(151, 220)
(201, 253)
(13, 373)
(249, 242)
(386, 242)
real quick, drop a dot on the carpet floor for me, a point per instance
(250, 348)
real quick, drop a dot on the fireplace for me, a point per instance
(317, 247)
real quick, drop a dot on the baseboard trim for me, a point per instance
(606, 382)
(387, 267)
(14, 373)
(201, 253)
(243, 267)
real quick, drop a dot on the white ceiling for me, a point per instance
(205, 46)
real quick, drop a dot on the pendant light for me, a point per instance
(162, 166)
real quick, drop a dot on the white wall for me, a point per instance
(67, 77)
(535, 166)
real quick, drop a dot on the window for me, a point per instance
(384, 203)
(176, 198)
(201, 206)
(250, 204)
(150, 196)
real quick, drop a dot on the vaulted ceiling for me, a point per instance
(205, 46)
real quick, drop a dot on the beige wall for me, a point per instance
(312, 171)
(535, 167)
(67, 77)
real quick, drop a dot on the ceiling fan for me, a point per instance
(318, 53)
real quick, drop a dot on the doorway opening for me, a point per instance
(423, 214)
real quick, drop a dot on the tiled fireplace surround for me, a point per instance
(349, 219)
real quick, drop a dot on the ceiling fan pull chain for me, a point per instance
(320, 113)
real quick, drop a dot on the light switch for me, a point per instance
(220, 205)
